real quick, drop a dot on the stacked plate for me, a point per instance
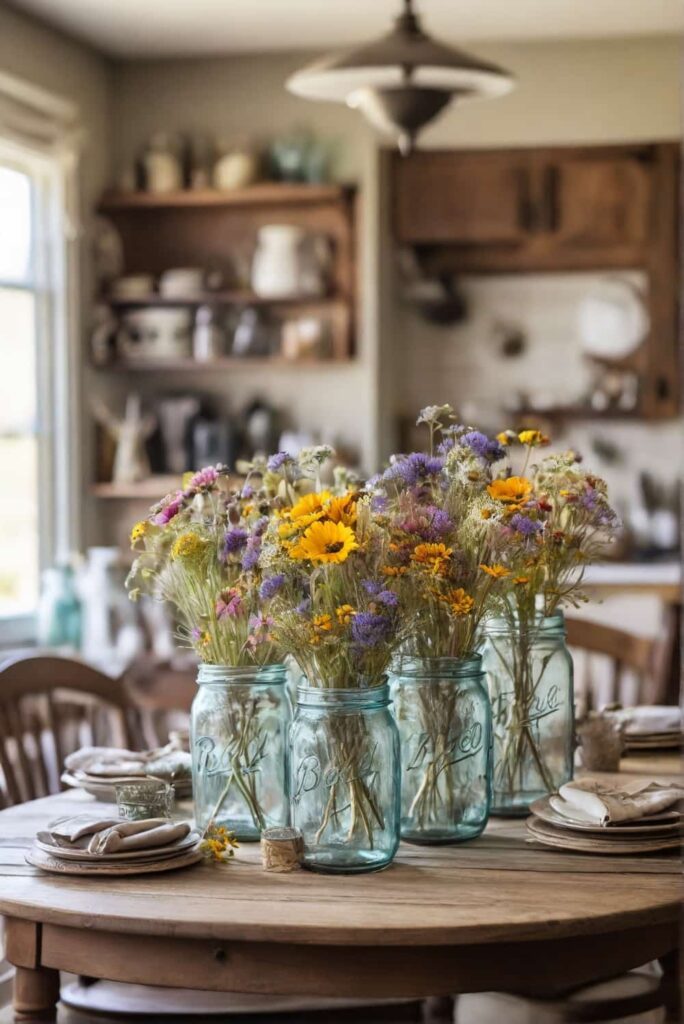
(52, 854)
(98, 770)
(561, 826)
(650, 727)
(635, 741)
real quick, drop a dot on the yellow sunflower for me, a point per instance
(325, 542)
(309, 505)
(513, 490)
(342, 510)
(344, 614)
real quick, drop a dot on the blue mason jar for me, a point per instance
(239, 732)
(344, 778)
(530, 678)
(442, 710)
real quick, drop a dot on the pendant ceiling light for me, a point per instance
(401, 81)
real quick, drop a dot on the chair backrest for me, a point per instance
(49, 707)
(632, 660)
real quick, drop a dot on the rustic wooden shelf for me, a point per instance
(152, 489)
(270, 193)
(231, 297)
(223, 363)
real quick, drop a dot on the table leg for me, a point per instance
(36, 993)
(672, 984)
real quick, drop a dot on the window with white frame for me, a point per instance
(37, 350)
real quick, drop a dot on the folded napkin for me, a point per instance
(138, 835)
(604, 804)
(648, 719)
(113, 835)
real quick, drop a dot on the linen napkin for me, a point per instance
(604, 804)
(112, 835)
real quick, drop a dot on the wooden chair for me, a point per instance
(49, 707)
(637, 656)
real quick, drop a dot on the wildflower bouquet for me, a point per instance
(339, 617)
(441, 556)
(199, 549)
(546, 522)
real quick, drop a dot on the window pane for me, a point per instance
(19, 537)
(15, 225)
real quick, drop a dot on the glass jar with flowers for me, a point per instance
(340, 619)
(546, 523)
(199, 549)
(440, 557)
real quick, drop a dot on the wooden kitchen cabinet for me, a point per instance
(598, 200)
(566, 208)
(478, 198)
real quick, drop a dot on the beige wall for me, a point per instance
(566, 93)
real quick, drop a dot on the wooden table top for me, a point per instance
(496, 888)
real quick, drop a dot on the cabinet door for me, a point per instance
(598, 201)
(463, 198)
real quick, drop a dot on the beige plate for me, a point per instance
(38, 858)
(105, 791)
(161, 852)
(661, 741)
(563, 839)
(663, 826)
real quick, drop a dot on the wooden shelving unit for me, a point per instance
(268, 193)
(212, 229)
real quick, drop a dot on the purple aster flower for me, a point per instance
(369, 629)
(247, 492)
(388, 598)
(371, 587)
(304, 607)
(527, 527)
(259, 527)
(270, 586)
(196, 633)
(250, 558)
(483, 446)
(590, 499)
(378, 502)
(413, 468)
(278, 460)
(234, 541)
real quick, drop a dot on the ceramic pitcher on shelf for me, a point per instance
(289, 262)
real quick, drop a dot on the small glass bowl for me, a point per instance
(146, 798)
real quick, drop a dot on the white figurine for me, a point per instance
(130, 433)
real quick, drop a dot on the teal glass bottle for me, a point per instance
(530, 679)
(441, 707)
(344, 778)
(239, 732)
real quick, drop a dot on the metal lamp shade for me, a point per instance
(401, 81)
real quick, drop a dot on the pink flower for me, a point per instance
(229, 604)
(205, 478)
(172, 507)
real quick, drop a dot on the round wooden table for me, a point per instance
(495, 914)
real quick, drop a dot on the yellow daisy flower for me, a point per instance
(188, 546)
(433, 556)
(309, 505)
(322, 623)
(496, 571)
(533, 438)
(506, 437)
(394, 570)
(460, 603)
(325, 542)
(344, 614)
(515, 489)
(521, 580)
(139, 530)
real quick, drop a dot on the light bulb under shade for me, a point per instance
(402, 111)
